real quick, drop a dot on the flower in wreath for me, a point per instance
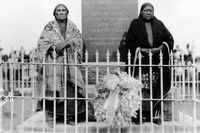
(117, 98)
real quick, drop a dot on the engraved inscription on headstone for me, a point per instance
(104, 23)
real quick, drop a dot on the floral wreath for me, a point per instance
(117, 99)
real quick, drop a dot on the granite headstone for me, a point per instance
(104, 23)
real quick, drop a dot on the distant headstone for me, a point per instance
(104, 23)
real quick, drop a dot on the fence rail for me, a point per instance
(180, 108)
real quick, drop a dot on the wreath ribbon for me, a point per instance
(112, 101)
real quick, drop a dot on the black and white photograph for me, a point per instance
(99, 66)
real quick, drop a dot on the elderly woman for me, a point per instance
(149, 34)
(58, 36)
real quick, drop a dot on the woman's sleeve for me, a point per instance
(45, 41)
(168, 38)
(130, 42)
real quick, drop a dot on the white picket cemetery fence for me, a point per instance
(19, 115)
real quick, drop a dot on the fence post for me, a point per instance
(1, 90)
(108, 61)
(194, 98)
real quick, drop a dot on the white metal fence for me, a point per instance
(181, 107)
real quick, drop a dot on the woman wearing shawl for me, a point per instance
(61, 35)
(147, 33)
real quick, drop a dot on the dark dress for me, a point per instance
(69, 108)
(137, 37)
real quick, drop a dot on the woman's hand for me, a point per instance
(69, 43)
(61, 46)
(57, 47)
(161, 47)
(157, 50)
(145, 50)
(153, 50)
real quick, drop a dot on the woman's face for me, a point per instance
(61, 13)
(147, 13)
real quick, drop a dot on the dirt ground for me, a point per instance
(29, 110)
(17, 113)
(26, 107)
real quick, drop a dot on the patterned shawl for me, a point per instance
(51, 36)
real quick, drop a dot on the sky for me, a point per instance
(23, 20)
